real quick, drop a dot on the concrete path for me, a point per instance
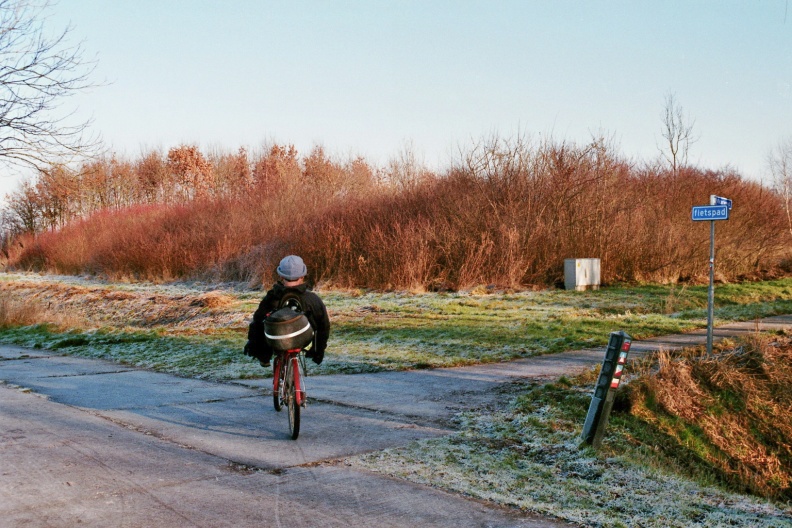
(93, 443)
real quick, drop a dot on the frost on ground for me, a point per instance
(199, 330)
(97, 304)
(528, 459)
(533, 461)
(196, 329)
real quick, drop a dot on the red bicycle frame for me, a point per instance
(281, 360)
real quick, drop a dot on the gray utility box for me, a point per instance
(582, 274)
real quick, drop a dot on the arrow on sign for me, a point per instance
(719, 200)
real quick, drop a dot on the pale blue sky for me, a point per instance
(366, 77)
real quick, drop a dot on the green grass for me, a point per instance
(444, 330)
(385, 331)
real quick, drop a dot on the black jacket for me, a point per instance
(314, 309)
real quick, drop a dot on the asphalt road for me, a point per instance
(91, 443)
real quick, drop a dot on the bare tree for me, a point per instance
(37, 72)
(780, 161)
(407, 169)
(677, 132)
(23, 212)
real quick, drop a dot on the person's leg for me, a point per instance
(265, 356)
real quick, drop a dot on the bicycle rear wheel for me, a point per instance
(292, 386)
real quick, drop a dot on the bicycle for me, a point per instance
(288, 386)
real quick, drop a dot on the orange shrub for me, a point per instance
(508, 214)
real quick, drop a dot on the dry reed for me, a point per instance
(731, 410)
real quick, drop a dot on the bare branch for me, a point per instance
(677, 132)
(780, 162)
(37, 73)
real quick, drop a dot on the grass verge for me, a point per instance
(658, 467)
(199, 330)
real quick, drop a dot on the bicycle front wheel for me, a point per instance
(292, 392)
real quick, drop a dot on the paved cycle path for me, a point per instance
(92, 442)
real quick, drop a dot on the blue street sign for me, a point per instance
(719, 200)
(710, 212)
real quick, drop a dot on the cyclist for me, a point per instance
(292, 271)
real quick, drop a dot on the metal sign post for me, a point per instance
(717, 210)
(711, 290)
